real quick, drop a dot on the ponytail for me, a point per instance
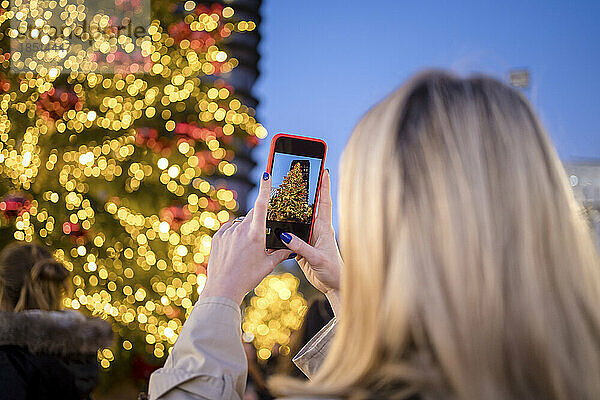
(49, 269)
(31, 278)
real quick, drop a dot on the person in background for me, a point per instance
(45, 353)
(256, 385)
(468, 270)
(318, 314)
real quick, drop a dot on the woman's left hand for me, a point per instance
(238, 260)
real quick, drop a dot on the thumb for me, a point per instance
(293, 242)
(278, 256)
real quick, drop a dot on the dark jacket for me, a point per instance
(50, 355)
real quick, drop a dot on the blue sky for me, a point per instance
(324, 64)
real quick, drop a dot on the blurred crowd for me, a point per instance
(51, 352)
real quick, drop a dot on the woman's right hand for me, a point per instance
(320, 261)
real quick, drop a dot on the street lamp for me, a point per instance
(520, 78)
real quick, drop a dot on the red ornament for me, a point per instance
(206, 159)
(150, 138)
(213, 205)
(124, 63)
(252, 141)
(4, 84)
(144, 134)
(54, 103)
(75, 231)
(201, 40)
(172, 312)
(14, 204)
(175, 215)
(201, 269)
(214, 8)
(188, 131)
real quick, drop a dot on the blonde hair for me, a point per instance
(469, 271)
(30, 278)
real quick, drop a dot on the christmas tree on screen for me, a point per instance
(289, 203)
(125, 174)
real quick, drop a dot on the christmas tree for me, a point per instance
(125, 175)
(275, 311)
(289, 202)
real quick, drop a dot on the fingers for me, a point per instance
(324, 213)
(259, 218)
(223, 228)
(278, 256)
(299, 246)
(247, 219)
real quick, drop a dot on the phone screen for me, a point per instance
(295, 178)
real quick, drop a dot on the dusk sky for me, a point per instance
(324, 64)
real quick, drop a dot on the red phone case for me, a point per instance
(270, 166)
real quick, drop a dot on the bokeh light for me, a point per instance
(276, 310)
(124, 175)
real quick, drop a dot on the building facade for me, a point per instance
(584, 177)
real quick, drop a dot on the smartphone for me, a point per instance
(296, 166)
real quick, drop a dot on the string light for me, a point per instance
(121, 173)
(274, 312)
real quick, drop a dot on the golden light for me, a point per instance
(173, 171)
(212, 93)
(221, 56)
(86, 158)
(264, 354)
(209, 222)
(228, 12)
(163, 163)
(261, 132)
(274, 312)
(182, 250)
(189, 5)
(26, 158)
(164, 227)
(184, 147)
(229, 169)
(107, 153)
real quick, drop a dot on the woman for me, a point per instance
(468, 271)
(45, 353)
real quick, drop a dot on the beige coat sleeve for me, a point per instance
(208, 361)
(311, 356)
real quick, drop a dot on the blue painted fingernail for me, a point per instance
(265, 176)
(293, 255)
(286, 237)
